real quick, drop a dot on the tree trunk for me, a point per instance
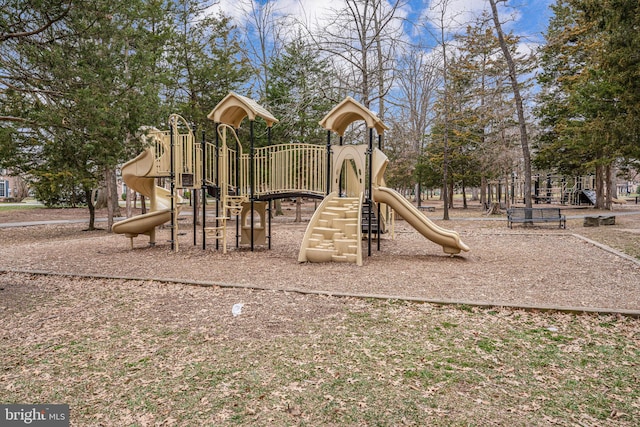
(115, 194)
(111, 190)
(99, 197)
(483, 192)
(507, 193)
(131, 202)
(599, 187)
(445, 141)
(298, 209)
(612, 190)
(110, 200)
(464, 197)
(524, 138)
(92, 209)
(494, 209)
(21, 189)
(143, 204)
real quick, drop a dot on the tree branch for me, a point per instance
(44, 27)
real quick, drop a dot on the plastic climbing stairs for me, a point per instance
(334, 232)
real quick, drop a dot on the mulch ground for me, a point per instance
(542, 267)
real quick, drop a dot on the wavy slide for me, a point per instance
(449, 240)
(135, 174)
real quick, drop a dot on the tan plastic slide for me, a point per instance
(135, 175)
(448, 239)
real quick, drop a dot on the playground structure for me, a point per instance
(546, 189)
(140, 175)
(348, 178)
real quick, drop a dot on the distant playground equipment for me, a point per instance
(546, 189)
(348, 178)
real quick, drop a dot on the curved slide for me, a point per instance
(135, 174)
(449, 240)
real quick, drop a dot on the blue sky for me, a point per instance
(527, 18)
(534, 17)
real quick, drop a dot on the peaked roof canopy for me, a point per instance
(347, 112)
(234, 108)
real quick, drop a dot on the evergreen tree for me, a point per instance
(206, 63)
(588, 102)
(299, 94)
(88, 84)
(561, 61)
(480, 109)
(619, 20)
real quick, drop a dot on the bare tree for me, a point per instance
(524, 138)
(417, 79)
(441, 24)
(263, 41)
(361, 39)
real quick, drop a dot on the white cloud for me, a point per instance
(313, 13)
(307, 11)
(456, 15)
(235, 9)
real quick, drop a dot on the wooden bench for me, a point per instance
(531, 215)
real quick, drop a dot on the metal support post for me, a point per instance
(378, 228)
(204, 191)
(369, 196)
(269, 207)
(193, 193)
(172, 179)
(252, 178)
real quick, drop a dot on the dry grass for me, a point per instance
(143, 353)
